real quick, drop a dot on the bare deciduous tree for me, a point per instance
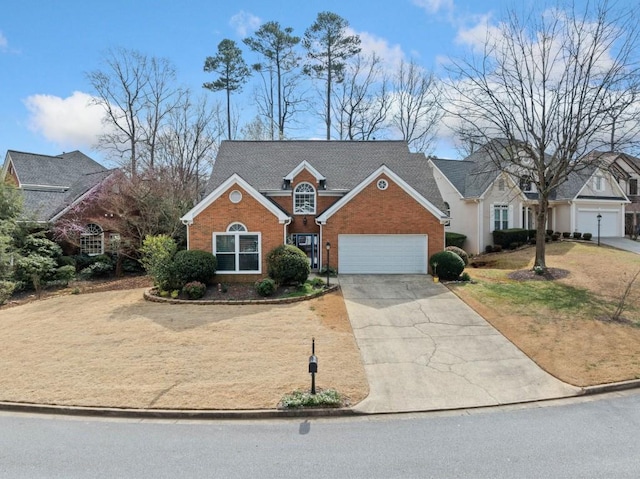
(542, 85)
(415, 108)
(136, 92)
(362, 100)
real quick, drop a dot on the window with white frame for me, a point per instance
(304, 199)
(598, 183)
(237, 250)
(500, 217)
(92, 240)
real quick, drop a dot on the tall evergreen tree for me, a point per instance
(328, 47)
(232, 70)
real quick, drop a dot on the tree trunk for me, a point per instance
(541, 234)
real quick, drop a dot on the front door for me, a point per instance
(309, 244)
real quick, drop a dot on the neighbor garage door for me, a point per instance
(609, 223)
(382, 254)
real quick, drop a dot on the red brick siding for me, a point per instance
(391, 211)
(221, 213)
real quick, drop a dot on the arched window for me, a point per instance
(92, 240)
(237, 250)
(236, 227)
(304, 199)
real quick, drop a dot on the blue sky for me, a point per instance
(46, 49)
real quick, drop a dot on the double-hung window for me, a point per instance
(237, 250)
(500, 217)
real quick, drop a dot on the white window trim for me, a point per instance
(509, 209)
(312, 211)
(598, 183)
(237, 234)
(87, 234)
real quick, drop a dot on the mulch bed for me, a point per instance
(530, 275)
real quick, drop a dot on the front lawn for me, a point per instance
(566, 324)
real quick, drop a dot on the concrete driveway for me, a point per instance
(625, 244)
(424, 349)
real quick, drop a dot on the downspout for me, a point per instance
(286, 223)
(188, 223)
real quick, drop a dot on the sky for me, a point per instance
(47, 48)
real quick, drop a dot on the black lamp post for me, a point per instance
(328, 246)
(599, 218)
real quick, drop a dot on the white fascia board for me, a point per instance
(234, 179)
(322, 219)
(308, 167)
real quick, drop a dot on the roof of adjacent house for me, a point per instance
(49, 184)
(61, 170)
(475, 174)
(344, 164)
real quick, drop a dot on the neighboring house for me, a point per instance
(481, 199)
(375, 203)
(52, 186)
(626, 170)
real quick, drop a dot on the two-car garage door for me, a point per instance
(382, 254)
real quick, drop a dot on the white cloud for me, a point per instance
(391, 55)
(70, 122)
(435, 6)
(4, 43)
(478, 35)
(245, 23)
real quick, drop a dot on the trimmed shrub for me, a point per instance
(446, 265)
(288, 264)
(64, 274)
(460, 252)
(577, 235)
(6, 290)
(317, 282)
(549, 232)
(497, 248)
(488, 248)
(531, 234)
(587, 236)
(193, 265)
(266, 287)
(566, 234)
(454, 239)
(504, 238)
(96, 270)
(194, 289)
(555, 236)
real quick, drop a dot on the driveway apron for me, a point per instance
(424, 349)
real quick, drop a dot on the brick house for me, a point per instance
(374, 203)
(53, 187)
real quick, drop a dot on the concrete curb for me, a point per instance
(249, 414)
(175, 413)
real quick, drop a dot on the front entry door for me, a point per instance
(309, 244)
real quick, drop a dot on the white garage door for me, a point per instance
(609, 223)
(382, 254)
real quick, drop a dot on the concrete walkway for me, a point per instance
(625, 244)
(425, 349)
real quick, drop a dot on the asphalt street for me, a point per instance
(587, 437)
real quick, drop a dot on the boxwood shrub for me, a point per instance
(506, 237)
(460, 252)
(287, 264)
(454, 239)
(446, 265)
(193, 265)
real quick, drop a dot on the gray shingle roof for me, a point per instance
(51, 183)
(345, 164)
(62, 170)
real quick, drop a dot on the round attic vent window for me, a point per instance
(235, 196)
(382, 184)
